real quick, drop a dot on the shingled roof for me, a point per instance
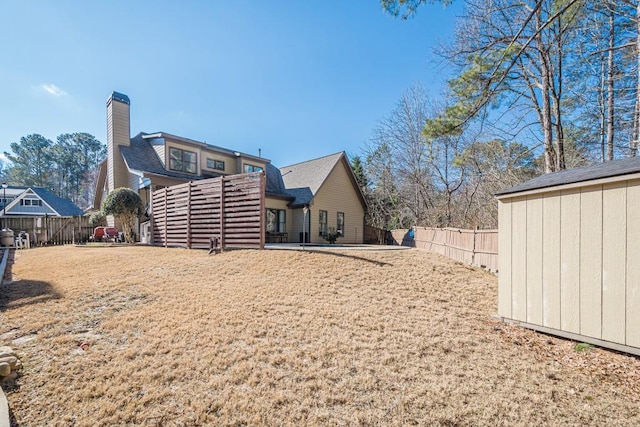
(303, 180)
(582, 174)
(140, 156)
(62, 206)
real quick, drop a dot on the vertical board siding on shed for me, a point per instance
(534, 257)
(569, 261)
(519, 263)
(551, 245)
(504, 260)
(614, 254)
(632, 306)
(591, 262)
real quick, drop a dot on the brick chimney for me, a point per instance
(118, 134)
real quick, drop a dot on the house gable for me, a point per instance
(29, 204)
(40, 202)
(339, 196)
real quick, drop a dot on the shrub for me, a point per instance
(97, 219)
(331, 236)
(125, 204)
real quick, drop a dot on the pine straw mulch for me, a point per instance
(154, 336)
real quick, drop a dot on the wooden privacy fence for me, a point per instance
(475, 247)
(51, 230)
(230, 208)
(377, 236)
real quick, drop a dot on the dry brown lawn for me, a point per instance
(178, 337)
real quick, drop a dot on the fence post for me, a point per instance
(151, 218)
(166, 223)
(262, 209)
(473, 251)
(222, 193)
(189, 214)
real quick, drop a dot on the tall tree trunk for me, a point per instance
(557, 97)
(636, 128)
(545, 89)
(602, 112)
(610, 89)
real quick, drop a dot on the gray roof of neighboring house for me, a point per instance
(64, 207)
(303, 180)
(571, 176)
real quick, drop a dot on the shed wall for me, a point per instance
(567, 261)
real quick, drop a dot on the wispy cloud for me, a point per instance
(54, 90)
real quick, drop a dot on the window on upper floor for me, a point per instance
(215, 164)
(182, 160)
(30, 202)
(252, 168)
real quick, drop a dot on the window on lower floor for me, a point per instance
(276, 221)
(323, 216)
(182, 160)
(340, 224)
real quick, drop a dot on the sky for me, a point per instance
(297, 79)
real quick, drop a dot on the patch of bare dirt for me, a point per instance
(154, 336)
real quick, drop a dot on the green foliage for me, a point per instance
(97, 219)
(75, 156)
(358, 171)
(68, 166)
(407, 8)
(583, 346)
(126, 205)
(31, 161)
(471, 91)
(331, 236)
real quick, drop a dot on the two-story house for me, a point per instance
(323, 192)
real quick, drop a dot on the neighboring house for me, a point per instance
(149, 161)
(36, 202)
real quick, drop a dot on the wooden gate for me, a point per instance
(230, 208)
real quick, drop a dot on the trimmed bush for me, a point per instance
(126, 205)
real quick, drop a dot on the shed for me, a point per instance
(569, 244)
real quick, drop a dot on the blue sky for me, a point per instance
(297, 79)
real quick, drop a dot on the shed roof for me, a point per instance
(582, 174)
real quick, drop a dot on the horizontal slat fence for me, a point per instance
(475, 247)
(51, 230)
(230, 208)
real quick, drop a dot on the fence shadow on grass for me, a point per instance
(26, 292)
(344, 255)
